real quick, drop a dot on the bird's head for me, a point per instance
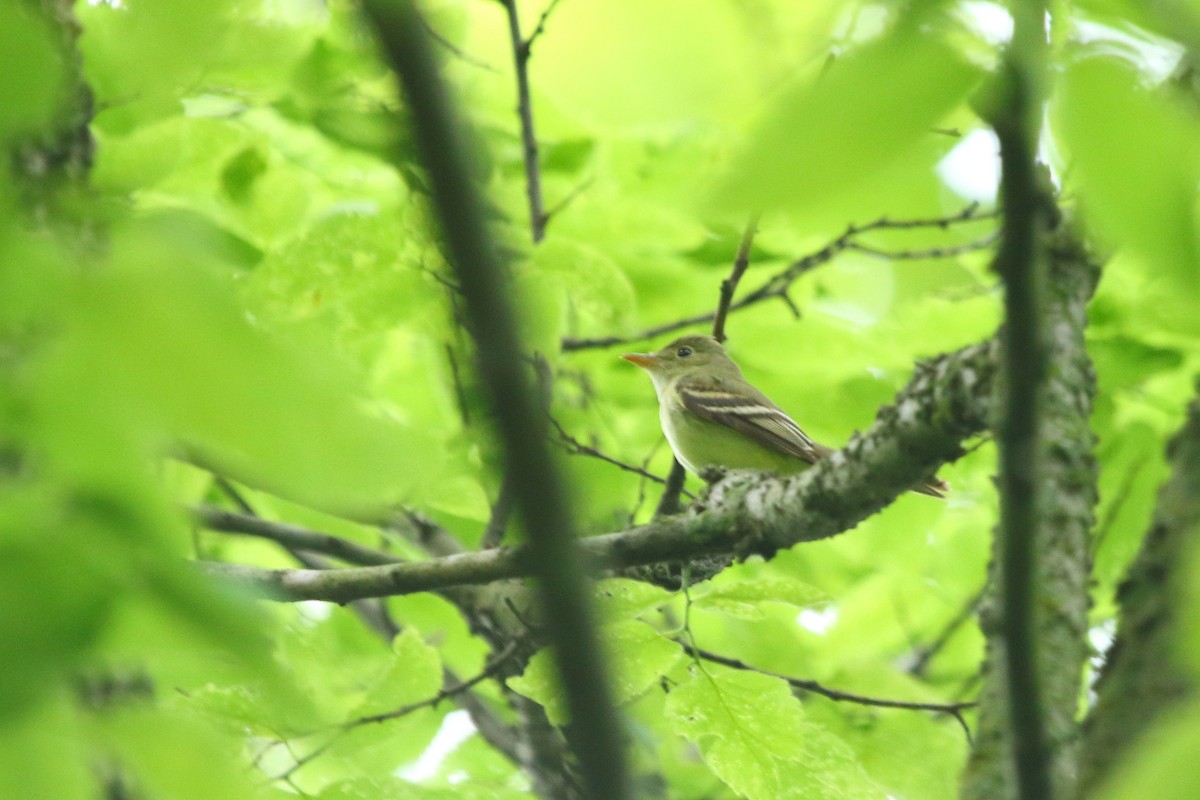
(687, 355)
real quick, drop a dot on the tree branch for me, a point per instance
(947, 401)
(540, 494)
(291, 536)
(777, 286)
(1018, 656)
(953, 709)
(529, 143)
(1026, 739)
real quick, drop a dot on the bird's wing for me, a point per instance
(756, 417)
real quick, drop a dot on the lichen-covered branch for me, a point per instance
(1142, 678)
(947, 401)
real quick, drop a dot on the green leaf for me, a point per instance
(175, 756)
(622, 598)
(34, 84)
(54, 607)
(1162, 764)
(1137, 167)
(44, 754)
(157, 336)
(752, 733)
(415, 675)
(638, 654)
(822, 139)
(743, 599)
(666, 78)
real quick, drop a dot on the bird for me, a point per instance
(713, 417)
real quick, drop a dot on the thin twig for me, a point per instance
(529, 142)
(489, 671)
(231, 491)
(561, 205)
(540, 28)
(460, 394)
(291, 536)
(446, 693)
(927, 253)
(579, 448)
(493, 534)
(952, 709)
(455, 49)
(926, 654)
(729, 286)
(777, 285)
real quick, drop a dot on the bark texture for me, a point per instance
(1061, 539)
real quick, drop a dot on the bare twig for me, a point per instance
(577, 447)
(457, 688)
(728, 286)
(777, 286)
(562, 204)
(924, 655)
(540, 28)
(291, 536)
(952, 709)
(529, 142)
(493, 534)
(453, 48)
(927, 253)
(452, 689)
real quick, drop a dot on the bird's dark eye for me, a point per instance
(683, 352)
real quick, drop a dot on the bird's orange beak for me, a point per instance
(643, 360)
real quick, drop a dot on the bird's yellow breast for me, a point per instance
(699, 443)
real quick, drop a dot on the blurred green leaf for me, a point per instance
(744, 599)
(622, 598)
(639, 655)
(1138, 164)
(415, 675)
(170, 343)
(1162, 763)
(34, 88)
(822, 138)
(175, 756)
(44, 754)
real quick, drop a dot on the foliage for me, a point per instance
(268, 303)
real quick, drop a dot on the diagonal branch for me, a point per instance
(947, 401)
(291, 536)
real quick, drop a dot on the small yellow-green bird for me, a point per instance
(713, 417)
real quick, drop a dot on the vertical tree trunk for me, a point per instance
(1061, 543)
